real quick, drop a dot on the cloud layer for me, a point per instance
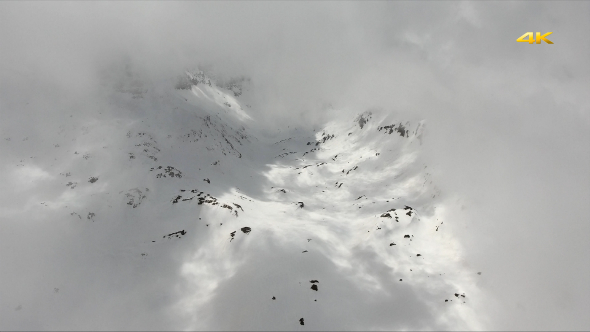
(508, 124)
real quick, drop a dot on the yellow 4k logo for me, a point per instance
(531, 38)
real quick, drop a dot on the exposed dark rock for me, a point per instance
(135, 197)
(178, 234)
(400, 129)
(363, 119)
(168, 171)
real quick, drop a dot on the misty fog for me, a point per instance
(506, 135)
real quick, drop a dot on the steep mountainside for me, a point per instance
(176, 189)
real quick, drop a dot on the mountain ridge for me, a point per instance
(181, 179)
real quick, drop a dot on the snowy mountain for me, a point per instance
(176, 188)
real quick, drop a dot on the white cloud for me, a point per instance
(506, 134)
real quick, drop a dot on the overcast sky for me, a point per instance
(508, 123)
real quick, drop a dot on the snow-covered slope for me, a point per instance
(170, 210)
